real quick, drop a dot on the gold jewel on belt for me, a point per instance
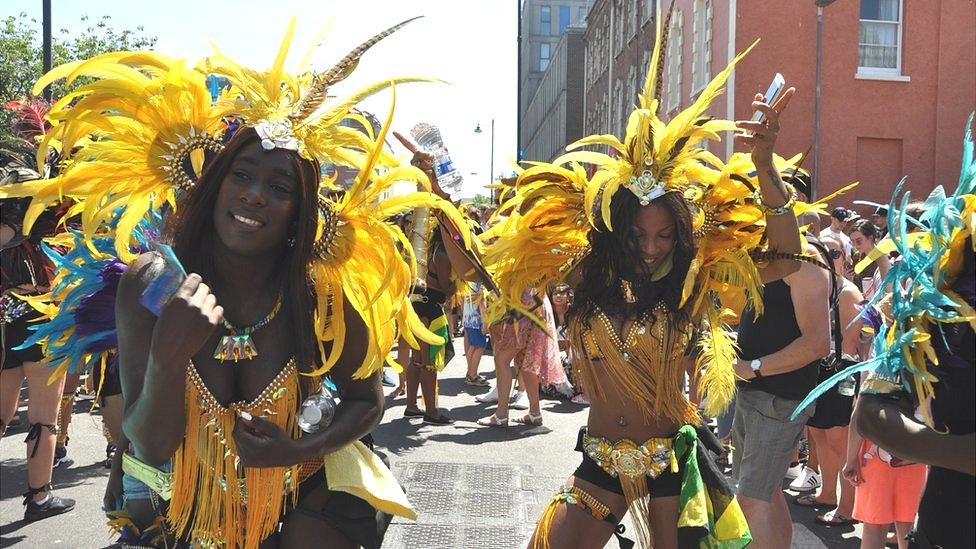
(626, 457)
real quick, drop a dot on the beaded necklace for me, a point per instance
(237, 344)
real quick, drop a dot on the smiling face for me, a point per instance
(654, 234)
(257, 202)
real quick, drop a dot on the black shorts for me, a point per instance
(354, 517)
(430, 306)
(14, 333)
(108, 382)
(667, 484)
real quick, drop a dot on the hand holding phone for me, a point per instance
(159, 291)
(772, 94)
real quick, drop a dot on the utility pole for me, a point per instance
(815, 179)
(47, 43)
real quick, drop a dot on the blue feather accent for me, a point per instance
(915, 283)
(83, 330)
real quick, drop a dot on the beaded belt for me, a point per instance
(626, 457)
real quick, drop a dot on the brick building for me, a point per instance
(897, 81)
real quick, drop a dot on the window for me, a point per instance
(675, 41)
(582, 15)
(879, 51)
(563, 18)
(544, 52)
(545, 20)
(701, 54)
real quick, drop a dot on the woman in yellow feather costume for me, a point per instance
(290, 281)
(651, 242)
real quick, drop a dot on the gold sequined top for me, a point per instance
(647, 365)
(211, 488)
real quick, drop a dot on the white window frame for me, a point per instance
(701, 49)
(545, 31)
(676, 41)
(634, 17)
(883, 73)
(548, 47)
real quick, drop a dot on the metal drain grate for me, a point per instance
(437, 503)
(493, 538)
(476, 505)
(435, 475)
(429, 536)
(491, 478)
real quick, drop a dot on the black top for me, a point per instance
(945, 516)
(772, 332)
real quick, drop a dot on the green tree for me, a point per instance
(480, 199)
(21, 54)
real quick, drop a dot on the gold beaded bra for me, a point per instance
(211, 488)
(648, 364)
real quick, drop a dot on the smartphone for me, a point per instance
(771, 95)
(159, 291)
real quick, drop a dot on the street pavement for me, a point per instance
(473, 487)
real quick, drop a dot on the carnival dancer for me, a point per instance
(651, 243)
(435, 244)
(288, 281)
(26, 272)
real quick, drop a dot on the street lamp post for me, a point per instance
(491, 170)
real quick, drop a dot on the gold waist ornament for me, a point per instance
(627, 458)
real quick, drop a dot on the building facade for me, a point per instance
(897, 83)
(618, 42)
(554, 116)
(542, 24)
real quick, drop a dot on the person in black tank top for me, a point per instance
(778, 366)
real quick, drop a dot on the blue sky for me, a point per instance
(469, 43)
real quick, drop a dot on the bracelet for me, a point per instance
(784, 209)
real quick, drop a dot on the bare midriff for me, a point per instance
(615, 408)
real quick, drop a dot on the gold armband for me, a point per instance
(782, 210)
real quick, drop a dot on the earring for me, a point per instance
(291, 242)
(627, 291)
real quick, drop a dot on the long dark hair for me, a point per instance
(615, 256)
(192, 233)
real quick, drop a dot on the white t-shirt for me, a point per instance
(840, 237)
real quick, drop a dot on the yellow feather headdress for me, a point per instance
(555, 206)
(139, 133)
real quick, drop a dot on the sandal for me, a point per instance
(833, 518)
(529, 419)
(398, 392)
(493, 421)
(809, 501)
(411, 413)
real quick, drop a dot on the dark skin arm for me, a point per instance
(261, 443)
(782, 231)
(154, 354)
(891, 424)
(465, 263)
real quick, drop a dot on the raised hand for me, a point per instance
(187, 320)
(761, 136)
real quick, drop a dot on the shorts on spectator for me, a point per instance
(476, 337)
(764, 439)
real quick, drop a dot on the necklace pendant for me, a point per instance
(235, 347)
(622, 421)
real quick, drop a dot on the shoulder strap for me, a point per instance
(835, 327)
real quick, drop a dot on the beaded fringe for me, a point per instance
(648, 365)
(211, 488)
